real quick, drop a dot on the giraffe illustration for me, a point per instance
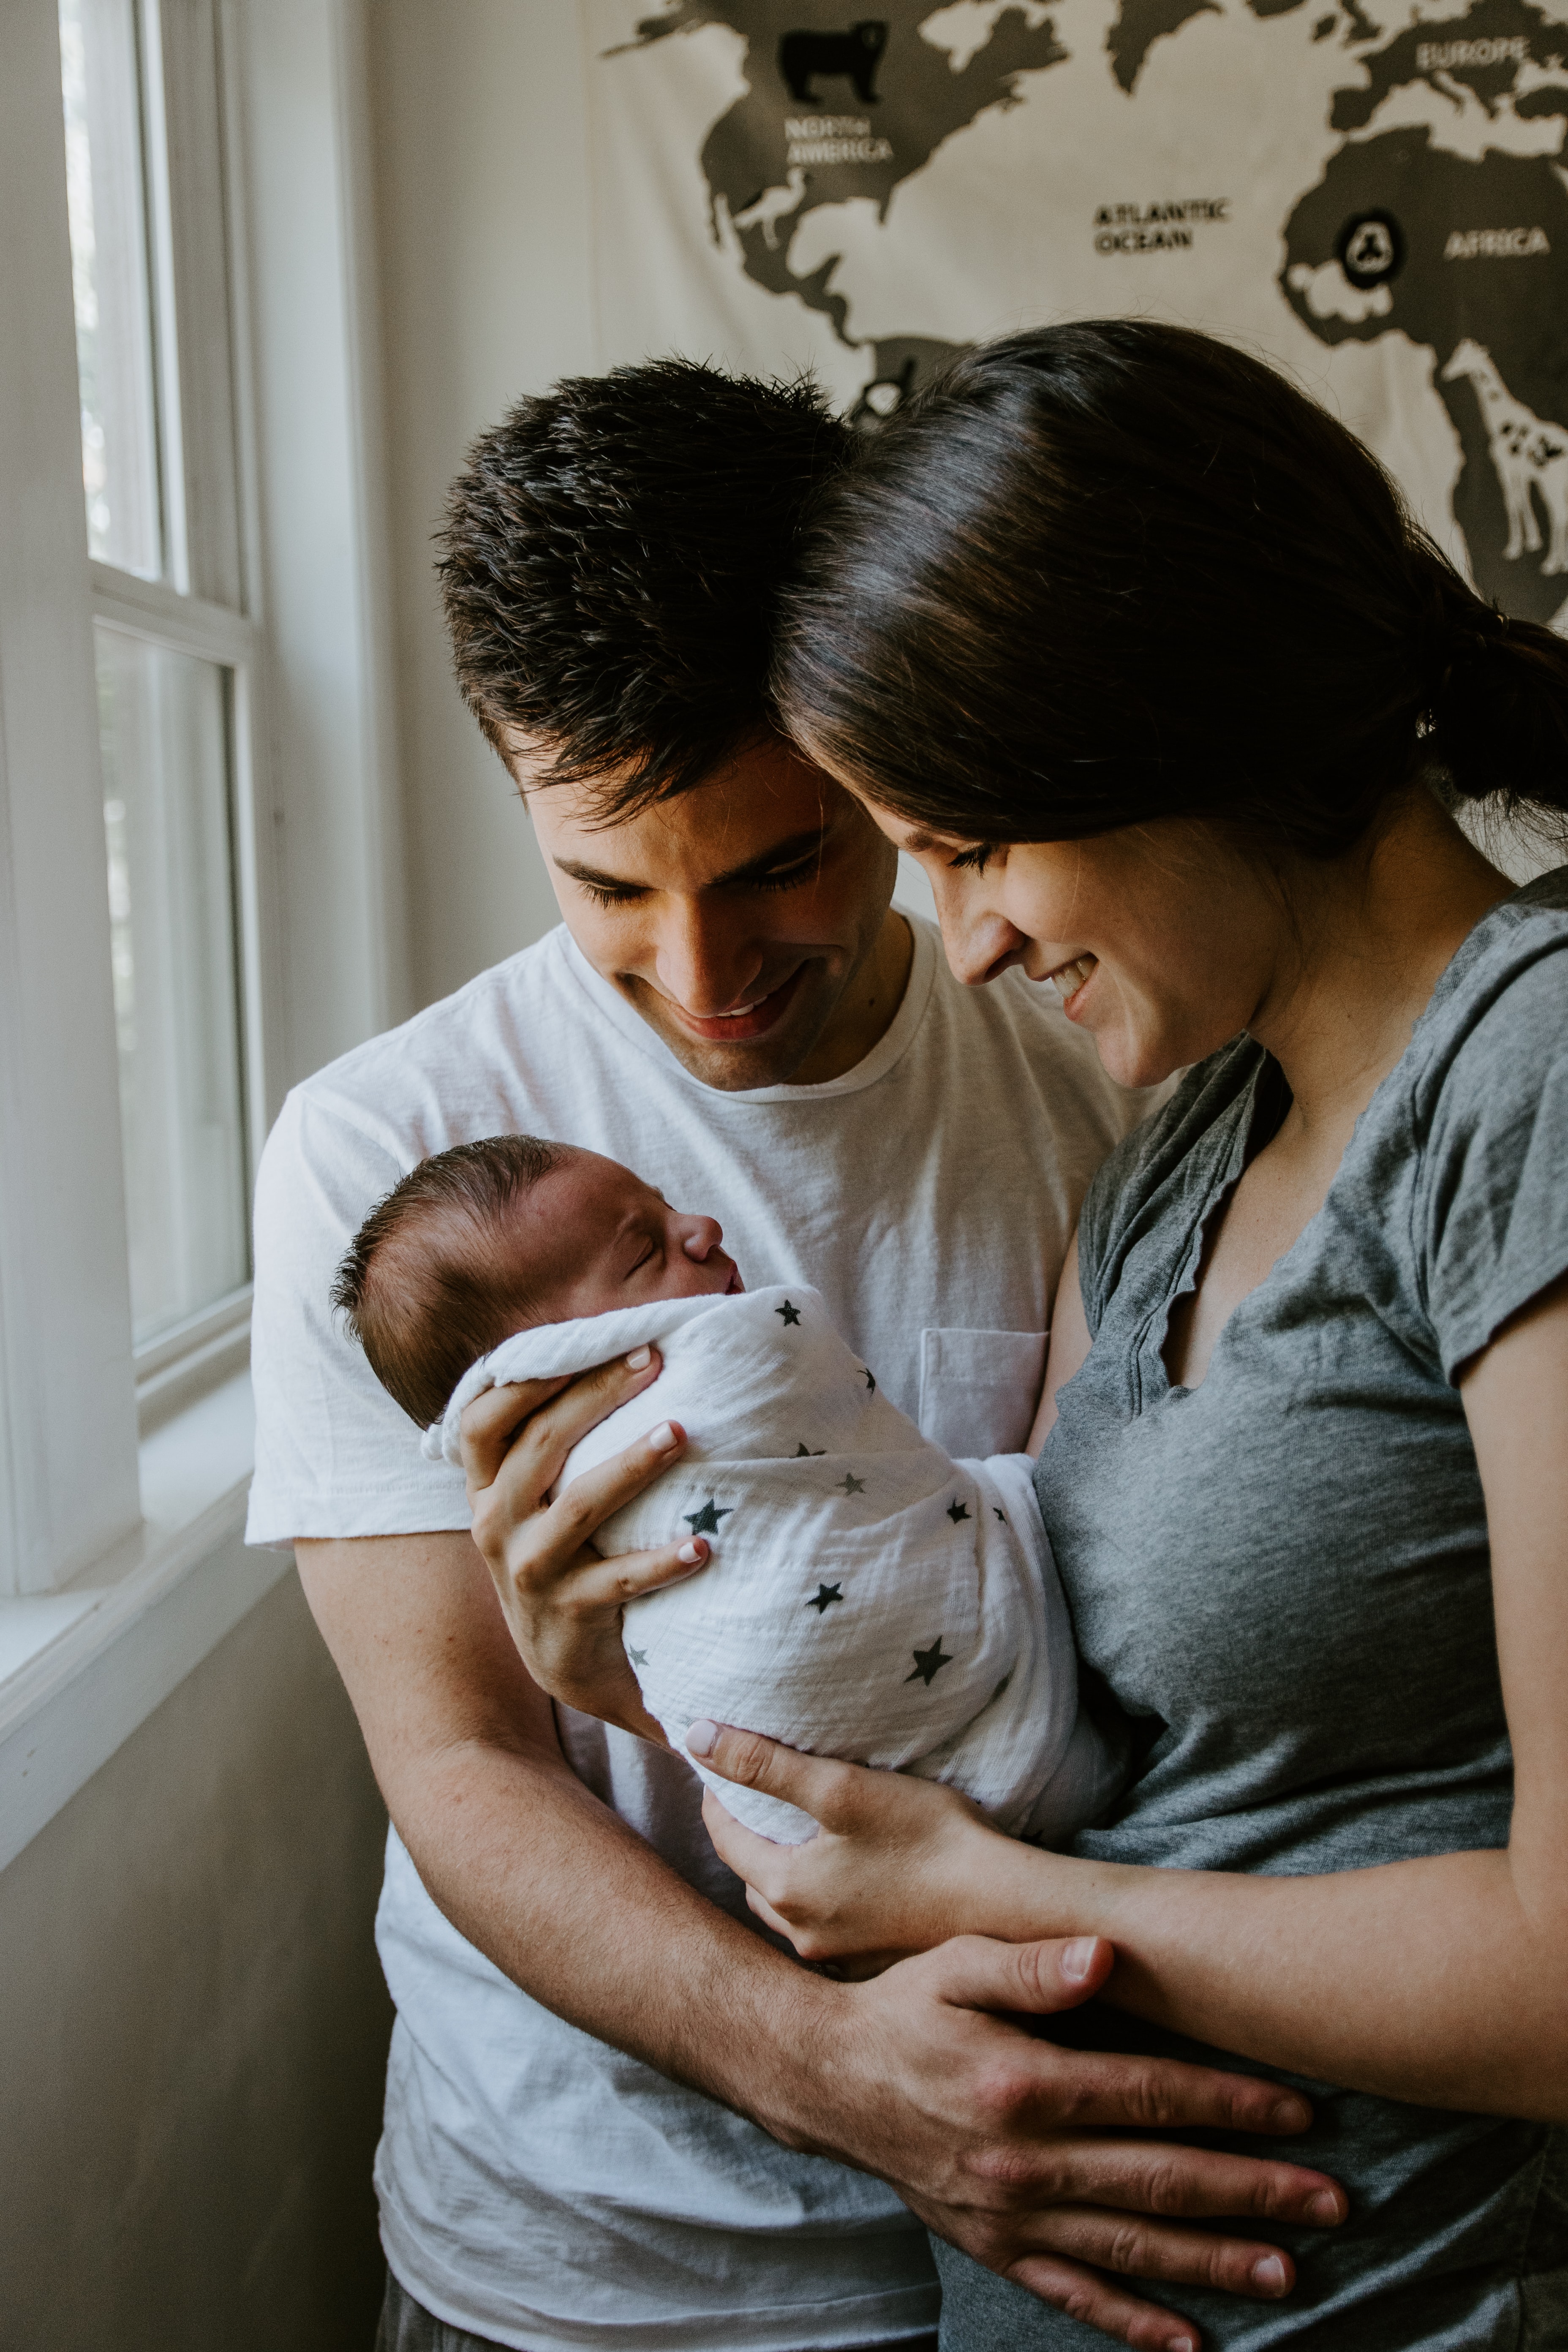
(1528, 454)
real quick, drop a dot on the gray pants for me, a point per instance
(407, 2326)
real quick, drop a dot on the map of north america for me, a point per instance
(1434, 233)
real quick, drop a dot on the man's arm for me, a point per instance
(997, 2139)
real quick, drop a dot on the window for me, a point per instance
(167, 169)
(150, 272)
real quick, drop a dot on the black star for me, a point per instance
(929, 1664)
(871, 1383)
(1001, 1515)
(823, 1599)
(853, 1486)
(956, 1511)
(637, 1657)
(791, 1314)
(806, 1453)
(705, 1522)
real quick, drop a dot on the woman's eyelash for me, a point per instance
(976, 859)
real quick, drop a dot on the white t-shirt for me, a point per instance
(538, 2186)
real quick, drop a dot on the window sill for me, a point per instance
(81, 1669)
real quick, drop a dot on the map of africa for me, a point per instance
(1378, 201)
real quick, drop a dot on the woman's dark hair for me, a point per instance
(610, 558)
(1113, 571)
(427, 1287)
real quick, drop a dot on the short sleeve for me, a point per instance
(334, 1455)
(1492, 1205)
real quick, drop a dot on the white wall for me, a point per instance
(192, 2030)
(479, 146)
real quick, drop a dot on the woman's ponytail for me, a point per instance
(1499, 707)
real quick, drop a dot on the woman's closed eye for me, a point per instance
(974, 859)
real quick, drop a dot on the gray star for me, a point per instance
(956, 1511)
(853, 1486)
(808, 1453)
(791, 1314)
(871, 1383)
(637, 1657)
(705, 1522)
(823, 1599)
(1001, 1515)
(929, 1664)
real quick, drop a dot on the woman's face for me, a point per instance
(1162, 939)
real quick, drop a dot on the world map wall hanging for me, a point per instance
(1376, 198)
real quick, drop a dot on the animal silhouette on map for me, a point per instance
(1528, 454)
(852, 56)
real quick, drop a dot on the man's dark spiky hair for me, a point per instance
(609, 562)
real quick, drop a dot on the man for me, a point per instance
(614, 2107)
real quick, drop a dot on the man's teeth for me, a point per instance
(1070, 977)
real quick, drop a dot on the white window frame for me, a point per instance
(122, 1477)
(205, 605)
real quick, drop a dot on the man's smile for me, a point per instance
(753, 1019)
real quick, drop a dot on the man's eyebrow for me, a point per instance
(795, 846)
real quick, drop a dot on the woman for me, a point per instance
(1137, 650)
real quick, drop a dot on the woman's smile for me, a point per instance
(1071, 980)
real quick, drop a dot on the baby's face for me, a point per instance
(592, 1237)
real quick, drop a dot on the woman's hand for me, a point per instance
(890, 1870)
(561, 1600)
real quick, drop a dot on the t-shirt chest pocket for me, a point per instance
(979, 1390)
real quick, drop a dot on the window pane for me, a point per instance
(105, 185)
(165, 723)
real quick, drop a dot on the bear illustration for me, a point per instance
(852, 55)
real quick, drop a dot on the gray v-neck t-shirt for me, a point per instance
(1281, 1577)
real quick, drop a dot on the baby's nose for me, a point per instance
(708, 1236)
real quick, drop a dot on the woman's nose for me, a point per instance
(980, 947)
(706, 1235)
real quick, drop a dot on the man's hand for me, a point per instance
(1026, 2155)
(1004, 2144)
(561, 1600)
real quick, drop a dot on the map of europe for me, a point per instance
(1378, 201)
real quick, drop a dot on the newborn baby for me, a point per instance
(865, 1596)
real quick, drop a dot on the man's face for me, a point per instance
(734, 918)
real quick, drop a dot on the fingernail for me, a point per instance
(639, 1359)
(1078, 1959)
(702, 1737)
(1324, 2206)
(662, 1439)
(1268, 2275)
(690, 1553)
(1290, 2116)
(1179, 2344)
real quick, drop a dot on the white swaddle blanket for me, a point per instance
(866, 1596)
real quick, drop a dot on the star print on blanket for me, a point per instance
(833, 1563)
